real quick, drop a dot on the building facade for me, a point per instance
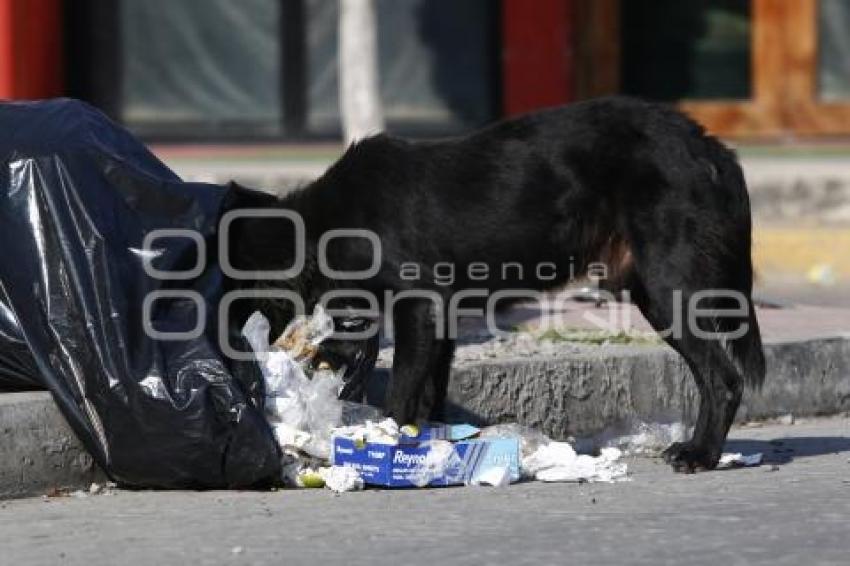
(266, 69)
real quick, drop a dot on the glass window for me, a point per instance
(212, 65)
(834, 49)
(437, 65)
(696, 49)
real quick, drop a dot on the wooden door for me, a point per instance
(784, 99)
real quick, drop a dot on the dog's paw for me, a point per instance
(688, 458)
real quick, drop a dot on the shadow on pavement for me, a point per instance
(784, 450)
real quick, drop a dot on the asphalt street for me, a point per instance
(794, 509)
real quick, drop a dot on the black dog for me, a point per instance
(633, 185)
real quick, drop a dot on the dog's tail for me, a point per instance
(748, 354)
(746, 351)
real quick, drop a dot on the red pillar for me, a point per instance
(7, 69)
(538, 67)
(30, 48)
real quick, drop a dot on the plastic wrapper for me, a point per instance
(78, 195)
(441, 457)
(302, 402)
(649, 439)
(636, 437)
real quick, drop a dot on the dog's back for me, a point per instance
(570, 186)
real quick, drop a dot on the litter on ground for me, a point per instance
(558, 462)
(738, 460)
(343, 446)
(648, 439)
(341, 478)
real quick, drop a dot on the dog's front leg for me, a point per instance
(416, 348)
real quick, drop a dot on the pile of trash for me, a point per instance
(302, 403)
(315, 429)
(548, 460)
(652, 439)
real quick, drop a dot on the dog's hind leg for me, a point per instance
(700, 302)
(719, 382)
(688, 231)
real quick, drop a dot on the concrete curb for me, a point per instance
(581, 395)
(584, 394)
(587, 393)
(38, 450)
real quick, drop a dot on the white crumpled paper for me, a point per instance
(558, 462)
(738, 460)
(341, 479)
(547, 460)
(381, 432)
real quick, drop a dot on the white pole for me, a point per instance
(359, 94)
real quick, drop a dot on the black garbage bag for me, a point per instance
(78, 195)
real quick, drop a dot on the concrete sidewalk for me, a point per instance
(792, 510)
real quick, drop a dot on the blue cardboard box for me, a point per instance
(400, 465)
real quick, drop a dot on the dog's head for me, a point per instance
(269, 265)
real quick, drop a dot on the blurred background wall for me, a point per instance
(258, 70)
(249, 89)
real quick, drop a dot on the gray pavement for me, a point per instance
(795, 510)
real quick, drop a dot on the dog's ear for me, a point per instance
(258, 242)
(243, 197)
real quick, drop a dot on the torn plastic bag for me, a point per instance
(17, 368)
(78, 195)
